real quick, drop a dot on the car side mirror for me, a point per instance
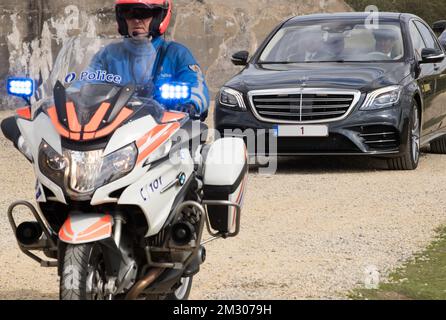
(240, 58)
(432, 56)
(439, 26)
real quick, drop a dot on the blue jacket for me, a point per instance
(134, 62)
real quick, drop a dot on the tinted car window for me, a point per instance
(442, 39)
(339, 40)
(417, 40)
(427, 36)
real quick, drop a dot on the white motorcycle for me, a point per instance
(124, 187)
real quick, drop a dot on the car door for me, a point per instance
(438, 102)
(426, 79)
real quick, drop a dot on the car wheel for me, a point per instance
(439, 146)
(411, 157)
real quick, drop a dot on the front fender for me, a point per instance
(86, 228)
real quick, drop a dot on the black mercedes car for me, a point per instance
(342, 84)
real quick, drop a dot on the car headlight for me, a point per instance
(81, 173)
(231, 98)
(383, 98)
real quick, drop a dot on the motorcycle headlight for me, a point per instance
(231, 98)
(52, 164)
(117, 165)
(383, 98)
(81, 173)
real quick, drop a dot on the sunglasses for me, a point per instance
(138, 14)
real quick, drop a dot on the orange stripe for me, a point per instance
(98, 234)
(24, 113)
(94, 123)
(150, 134)
(88, 136)
(63, 236)
(73, 121)
(172, 116)
(66, 232)
(101, 223)
(75, 136)
(67, 226)
(159, 141)
(53, 116)
(123, 115)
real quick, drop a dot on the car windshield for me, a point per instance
(335, 41)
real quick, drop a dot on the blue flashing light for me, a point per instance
(175, 91)
(22, 87)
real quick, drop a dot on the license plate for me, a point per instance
(302, 131)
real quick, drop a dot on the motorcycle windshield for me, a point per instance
(108, 77)
(114, 62)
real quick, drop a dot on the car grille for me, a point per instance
(301, 107)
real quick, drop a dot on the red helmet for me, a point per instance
(160, 21)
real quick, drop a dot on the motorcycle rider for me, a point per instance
(149, 19)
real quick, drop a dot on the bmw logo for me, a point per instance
(70, 77)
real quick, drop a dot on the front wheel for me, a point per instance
(83, 273)
(410, 159)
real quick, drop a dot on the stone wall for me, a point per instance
(32, 31)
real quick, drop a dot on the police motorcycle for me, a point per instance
(124, 187)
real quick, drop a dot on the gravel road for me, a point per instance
(309, 232)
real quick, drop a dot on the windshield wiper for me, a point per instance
(277, 62)
(328, 61)
(291, 62)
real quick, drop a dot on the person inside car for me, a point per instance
(385, 43)
(308, 49)
(334, 47)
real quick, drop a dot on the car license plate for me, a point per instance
(302, 131)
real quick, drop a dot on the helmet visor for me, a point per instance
(138, 13)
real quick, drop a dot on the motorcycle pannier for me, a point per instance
(225, 175)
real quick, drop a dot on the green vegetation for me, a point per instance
(430, 10)
(424, 278)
